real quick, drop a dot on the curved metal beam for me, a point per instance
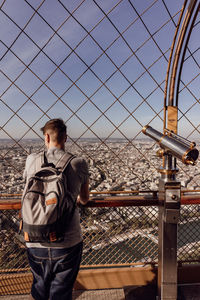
(184, 28)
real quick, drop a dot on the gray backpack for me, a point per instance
(47, 207)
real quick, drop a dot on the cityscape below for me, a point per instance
(113, 164)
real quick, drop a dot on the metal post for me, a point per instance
(169, 211)
(169, 205)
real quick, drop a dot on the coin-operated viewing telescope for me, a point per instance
(173, 144)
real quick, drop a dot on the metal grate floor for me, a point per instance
(185, 292)
(112, 294)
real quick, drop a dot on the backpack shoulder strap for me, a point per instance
(40, 160)
(64, 161)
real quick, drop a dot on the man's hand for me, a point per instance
(83, 197)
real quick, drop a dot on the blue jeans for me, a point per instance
(54, 271)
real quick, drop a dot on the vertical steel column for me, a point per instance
(169, 188)
(169, 211)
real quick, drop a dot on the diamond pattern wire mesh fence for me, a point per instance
(101, 66)
(125, 235)
(114, 235)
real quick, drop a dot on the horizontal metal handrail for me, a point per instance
(100, 199)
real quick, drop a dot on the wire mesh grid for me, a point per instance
(102, 70)
(114, 235)
(123, 234)
(12, 251)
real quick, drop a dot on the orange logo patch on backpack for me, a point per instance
(51, 201)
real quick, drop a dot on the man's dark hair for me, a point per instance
(56, 128)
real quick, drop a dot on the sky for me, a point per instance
(100, 65)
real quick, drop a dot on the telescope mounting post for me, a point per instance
(173, 147)
(169, 211)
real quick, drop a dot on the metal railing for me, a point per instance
(120, 228)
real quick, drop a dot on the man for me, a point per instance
(55, 265)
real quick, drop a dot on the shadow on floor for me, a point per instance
(149, 292)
